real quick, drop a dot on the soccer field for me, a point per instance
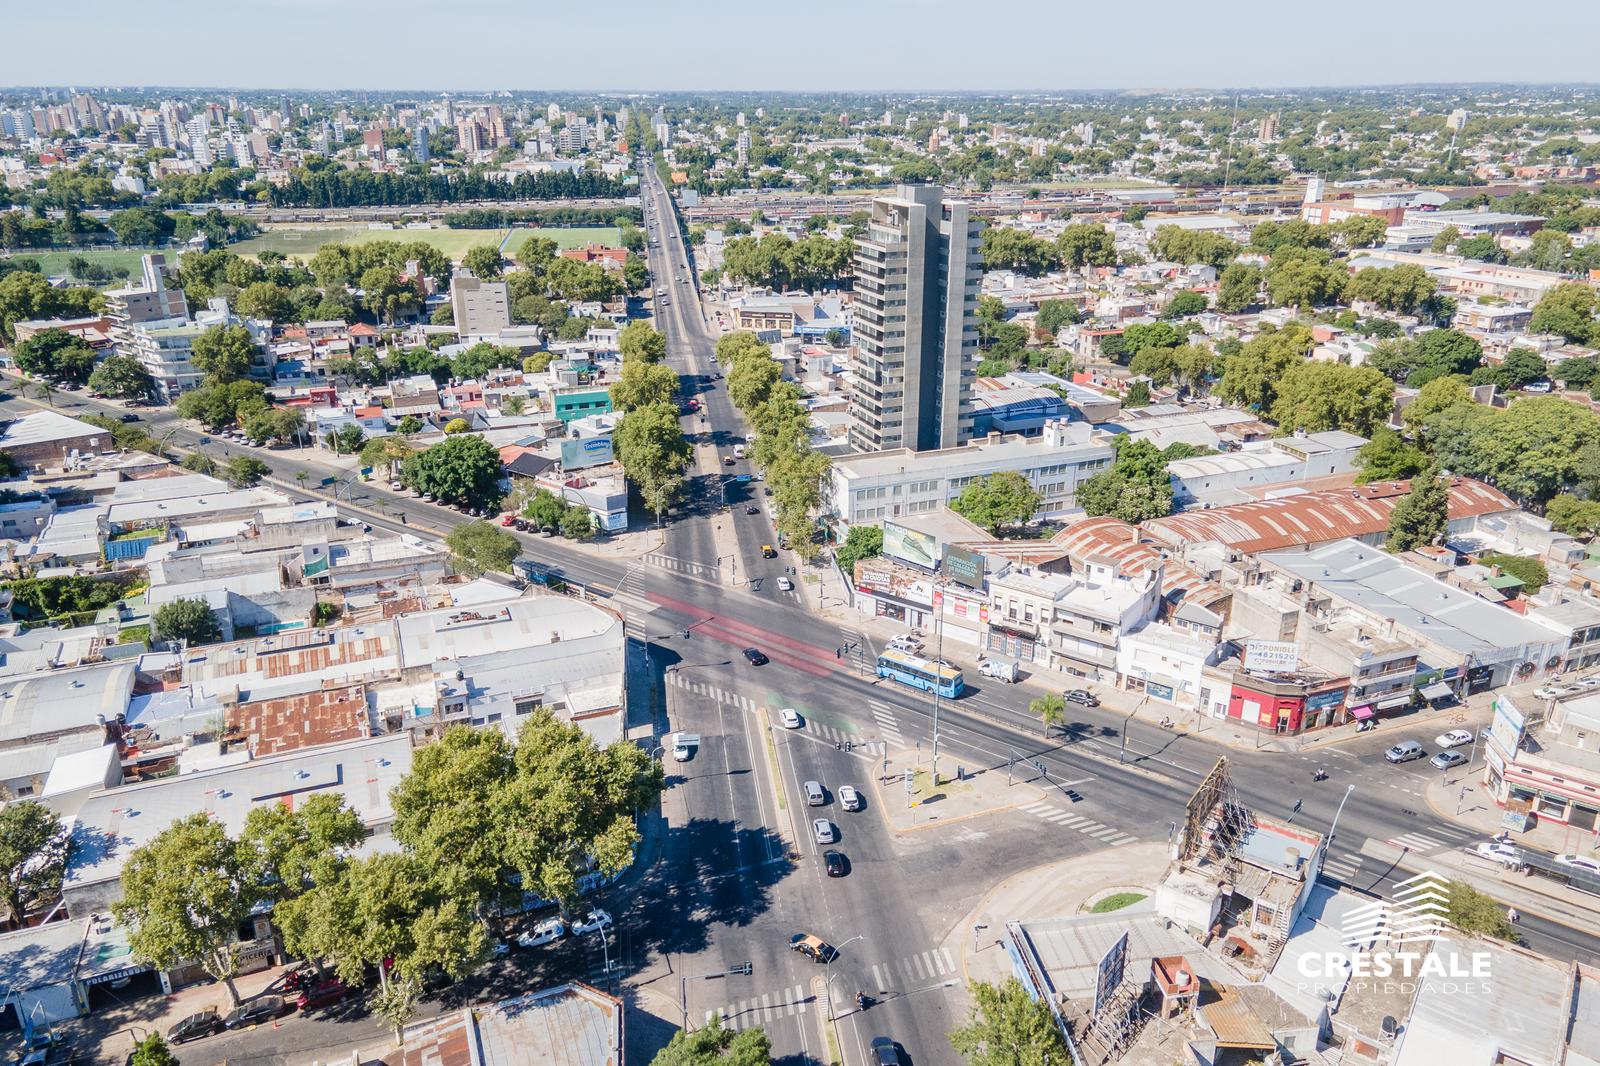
(54, 261)
(303, 241)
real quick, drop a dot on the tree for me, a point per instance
(1304, 283)
(994, 501)
(1569, 514)
(1477, 914)
(1319, 396)
(33, 857)
(734, 347)
(1008, 1027)
(141, 227)
(1053, 314)
(650, 446)
(577, 523)
(1361, 231)
(1434, 354)
(1251, 374)
(1437, 396)
(1520, 367)
(184, 894)
(152, 1051)
(862, 542)
(408, 425)
(462, 469)
(713, 1045)
(1178, 245)
(121, 377)
(263, 299)
(200, 463)
(1401, 288)
(346, 440)
(1185, 303)
(1388, 458)
(1193, 363)
(1531, 450)
(1421, 516)
(1445, 238)
(544, 509)
(244, 471)
(1051, 710)
(1238, 287)
(484, 260)
(388, 453)
(223, 354)
(751, 381)
(480, 546)
(1158, 364)
(1530, 571)
(643, 383)
(56, 355)
(1567, 309)
(187, 620)
(640, 340)
(281, 425)
(1578, 372)
(294, 849)
(1086, 245)
(1484, 247)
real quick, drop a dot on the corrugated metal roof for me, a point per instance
(1235, 1024)
(1315, 517)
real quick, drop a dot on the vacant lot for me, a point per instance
(303, 241)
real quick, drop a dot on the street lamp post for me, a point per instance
(938, 655)
(1335, 824)
(1123, 750)
(828, 968)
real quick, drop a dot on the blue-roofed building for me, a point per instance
(1022, 411)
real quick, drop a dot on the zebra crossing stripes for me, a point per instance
(913, 969)
(887, 725)
(767, 1007)
(1342, 867)
(710, 691)
(681, 566)
(1078, 823)
(1414, 842)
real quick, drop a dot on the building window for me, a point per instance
(528, 706)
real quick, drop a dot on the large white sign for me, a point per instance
(1271, 656)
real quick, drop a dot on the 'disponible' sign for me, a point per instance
(1271, 656)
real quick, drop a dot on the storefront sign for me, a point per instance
(1271, 656)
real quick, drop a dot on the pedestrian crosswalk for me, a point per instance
(1415, 842)
(1342, 867)
(706, 689)
(1078, 823)
(887, 725)
(912, 970)
(758, 1010)
(682, 566)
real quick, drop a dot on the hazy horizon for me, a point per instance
(899, 46)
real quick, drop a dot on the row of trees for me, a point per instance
(1079, 245)
(480, 822)
(777, 262)
(338, 187)
(649, 441)
(782, 446)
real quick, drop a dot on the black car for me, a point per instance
(754, 657)
(130, 417)
(752, 509)
(195, 1026)
(1081, 695)
(260, 1009)
(885, 1052)
(833, 863)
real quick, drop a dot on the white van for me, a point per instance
(683, 746)
(738, 451)
(999, 669)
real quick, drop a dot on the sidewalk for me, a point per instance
(1057, 889)
(976, 793)
(111, 1030)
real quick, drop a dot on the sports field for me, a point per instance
(303, 241)
(54, 260)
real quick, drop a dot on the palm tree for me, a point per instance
(1051, 709)
(302, 477)
(46, 392)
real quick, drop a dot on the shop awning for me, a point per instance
(1438, 691)
(1362, 712)
(1393, 702)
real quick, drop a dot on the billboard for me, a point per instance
(586, 451)
(962, 567)
(1271, 656)
(909, 546)
(1108, 975)
(1507, 728)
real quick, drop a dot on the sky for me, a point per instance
(754, 45)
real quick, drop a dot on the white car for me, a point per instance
(822, 829)
(1579, 862)
(849, 798)
(546, 932)
(790, 718)
(1494, 851)
(595, 921)
(1453, 738)
(1591, 681)
(785, 585)
(1550, 692)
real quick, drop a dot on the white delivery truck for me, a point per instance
(999, 669)
(683, 746)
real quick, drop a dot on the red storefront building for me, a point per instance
(1288, 704)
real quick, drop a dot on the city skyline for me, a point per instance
(497, 44)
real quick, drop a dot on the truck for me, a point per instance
(999, 669)
(684, 745)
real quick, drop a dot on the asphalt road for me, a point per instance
(726, 891)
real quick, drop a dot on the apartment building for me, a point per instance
(904, 481)
(918, 270)
(481, 308)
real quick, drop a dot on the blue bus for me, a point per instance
(921, 673)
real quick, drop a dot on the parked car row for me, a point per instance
(314, 994)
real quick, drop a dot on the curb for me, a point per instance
(880, 788)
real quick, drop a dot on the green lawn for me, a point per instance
(54, 261)
(1116, 902)
(303, 241)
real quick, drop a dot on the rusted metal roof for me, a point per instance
(1235, 1024)
(326, 716)
(1315, 517)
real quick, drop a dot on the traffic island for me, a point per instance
(911, 800)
